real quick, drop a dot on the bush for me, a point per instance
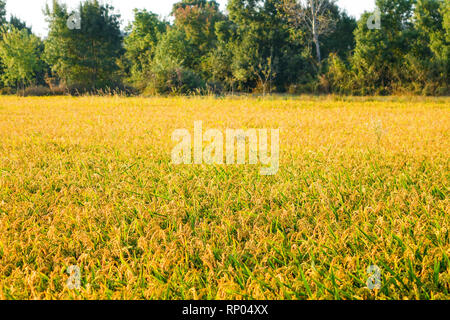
(6, 91)
(117, 89)
(175, 80)
(35, 91)
(304, 88)
(338, 76)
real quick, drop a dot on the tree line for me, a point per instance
(262, 46)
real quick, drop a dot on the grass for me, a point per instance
(89, 182)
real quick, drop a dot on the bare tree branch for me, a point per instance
(314, 14)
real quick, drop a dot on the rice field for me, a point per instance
(89, 182)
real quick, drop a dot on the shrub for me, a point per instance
(171, 78)
(6, 91)
(39, 91)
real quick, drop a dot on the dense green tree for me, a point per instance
(265, 46)
(20, 54)
(40, 75)
(140, 44)
(256, 46)
(2, 23)
(2, 12)
(216, 65)
(173, 66)
(19, 24)
(426, 64)
(197, 20)
(87, 53)
(179, 62)
(341, 39)
(409, 53)
(379, 53)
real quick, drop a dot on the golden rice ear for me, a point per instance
(88, 182)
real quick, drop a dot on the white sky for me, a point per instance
(31, 10)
